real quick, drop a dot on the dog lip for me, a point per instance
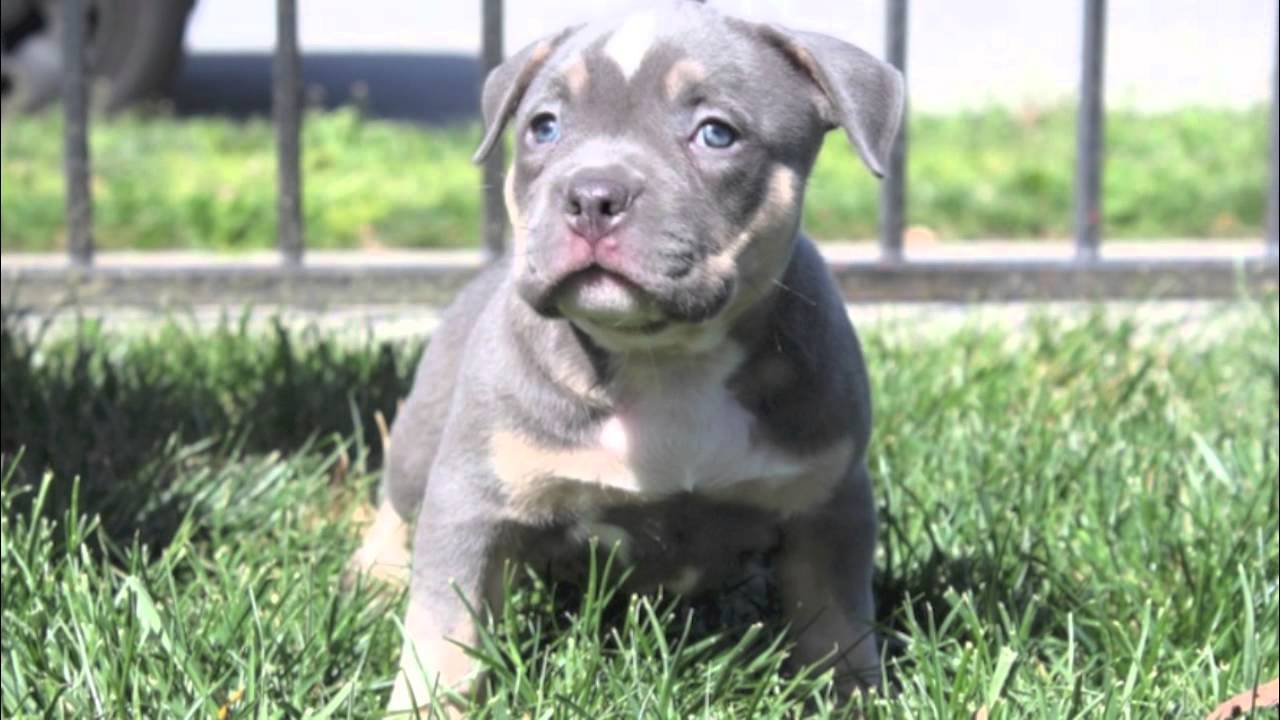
(593, 271)
(652, 328)
(596, 272)
(585, 281)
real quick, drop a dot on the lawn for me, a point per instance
(1080, 519)
(208, 183)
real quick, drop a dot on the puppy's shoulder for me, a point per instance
(804, 377)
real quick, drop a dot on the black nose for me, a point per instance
(595, 205)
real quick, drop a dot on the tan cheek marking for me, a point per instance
(576, 76)
(540, 478)
(519, 225)
(681, 75)
(779, 199)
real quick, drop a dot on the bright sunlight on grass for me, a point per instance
(1079, 520)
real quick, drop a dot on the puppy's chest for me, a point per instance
(664, 437)
(688, 437)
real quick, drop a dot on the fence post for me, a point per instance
(75, 133)
(286, 103)
(495, 216)
(893, 191)
(1089, 133)
(1273, 222)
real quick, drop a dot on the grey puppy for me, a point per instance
(663, 360)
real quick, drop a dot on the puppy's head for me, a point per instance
(660, 164)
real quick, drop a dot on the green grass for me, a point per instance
(1080, 520)
(208, 183)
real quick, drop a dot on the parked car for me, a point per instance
(134, 48)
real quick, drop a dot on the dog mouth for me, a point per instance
(636, 297)
(609, 299)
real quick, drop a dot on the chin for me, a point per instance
(663, 339)
(605, 298)
(648, 328)
(633, 310)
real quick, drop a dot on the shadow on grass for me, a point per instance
(129, 417)
(119, 415)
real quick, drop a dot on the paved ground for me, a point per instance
(414, 57)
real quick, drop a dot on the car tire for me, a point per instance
(136, 49)
(134, 52)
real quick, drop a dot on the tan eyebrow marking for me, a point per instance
(576, 75)
(682, 74)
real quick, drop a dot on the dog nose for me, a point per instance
(595, 205)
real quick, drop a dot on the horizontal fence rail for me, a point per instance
(891, 276)
(433, 282)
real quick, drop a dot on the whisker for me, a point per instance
(810, 301)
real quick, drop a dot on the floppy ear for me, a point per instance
(863, 95)
(506, 84)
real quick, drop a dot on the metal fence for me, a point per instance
(891, 276)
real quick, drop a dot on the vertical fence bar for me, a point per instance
(495, 218)
(1273, 222)
(75, 130)
(893, 192)
(1089, 133)
(287, 106)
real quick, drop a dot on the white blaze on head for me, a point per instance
(630, 43)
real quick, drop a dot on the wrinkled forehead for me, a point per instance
(680, 48)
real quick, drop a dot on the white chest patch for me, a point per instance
(673, 429)
(630, 43)
(683, 430)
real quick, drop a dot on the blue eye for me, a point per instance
(544, 129)
(716, 135)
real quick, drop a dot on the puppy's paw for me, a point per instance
(383, 554)
(403, 707)
(435, 677)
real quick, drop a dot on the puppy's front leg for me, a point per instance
(456, 562)
(825, 569)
